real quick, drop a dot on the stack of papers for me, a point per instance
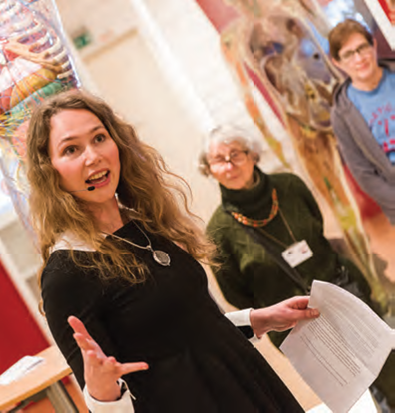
(340, 353)
(364, 405)
(19, 369)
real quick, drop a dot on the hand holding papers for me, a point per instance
(341, 353)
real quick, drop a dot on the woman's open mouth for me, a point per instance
(98, 178)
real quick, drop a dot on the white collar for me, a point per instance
(68, 241)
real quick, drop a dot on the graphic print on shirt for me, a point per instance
(378, 109)
(382, 125)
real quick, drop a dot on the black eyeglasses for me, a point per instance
(363, 49)
(235, 158)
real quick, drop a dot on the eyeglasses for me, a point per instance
(235, 158)
(363, 49)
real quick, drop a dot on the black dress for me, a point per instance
(199, 362)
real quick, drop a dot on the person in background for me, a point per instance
(269, 232)
(121, 279)
(363, 112)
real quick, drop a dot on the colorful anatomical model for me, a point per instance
(34, 64)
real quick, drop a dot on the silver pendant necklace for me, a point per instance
(160, 257)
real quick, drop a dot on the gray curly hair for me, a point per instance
(227, 134)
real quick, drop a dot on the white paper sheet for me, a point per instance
(364, 405)
(19, 369)
(340, 353)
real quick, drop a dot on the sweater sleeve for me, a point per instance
(361, 168)
(230, 280)
(228, 274)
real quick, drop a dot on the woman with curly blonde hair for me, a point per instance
(120, 260)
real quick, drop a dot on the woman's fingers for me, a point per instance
(109, 365)
(299, 308)
(298, 302)
(85, 343)
(133, 367)
(78, 326)
(96, 357)
(82, 337)
(82, 342)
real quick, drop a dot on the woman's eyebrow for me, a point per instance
(71, 137)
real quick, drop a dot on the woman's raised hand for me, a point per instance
(101, 372)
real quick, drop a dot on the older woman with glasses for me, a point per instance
(269, 229)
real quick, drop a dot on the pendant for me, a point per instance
(161, 258)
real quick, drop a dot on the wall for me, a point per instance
(20, 334)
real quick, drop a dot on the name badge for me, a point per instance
(297, 253)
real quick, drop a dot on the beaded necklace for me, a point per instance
(259, 222)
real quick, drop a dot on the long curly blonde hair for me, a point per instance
(146, 186)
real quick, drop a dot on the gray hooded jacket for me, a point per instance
(364, 157)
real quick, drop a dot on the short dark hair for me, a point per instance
(341, 33)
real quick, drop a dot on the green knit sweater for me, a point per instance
(249, 276)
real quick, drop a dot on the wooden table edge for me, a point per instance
(53, 360)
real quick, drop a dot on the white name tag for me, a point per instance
(297, 253)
